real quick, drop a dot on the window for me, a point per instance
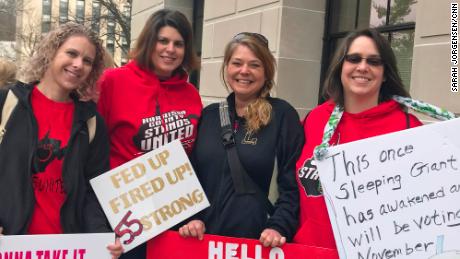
(80, 11)
(95, 17)
(46, 16)
(110, 34)
(395, 19)
(63, 11)
(110, 45)
(127, 10)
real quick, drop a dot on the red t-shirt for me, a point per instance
(54, 121)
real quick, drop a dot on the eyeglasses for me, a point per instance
(371, 61)
(261, 38)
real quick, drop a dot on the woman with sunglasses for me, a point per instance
(264, 129)
(361, 83)
(48, 153)
(149, 102)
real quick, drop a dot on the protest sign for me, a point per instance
(150, 194)
(65, 246)
(396, 195)
(170, 245)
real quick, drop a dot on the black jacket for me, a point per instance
(81, 211)
(245, 215)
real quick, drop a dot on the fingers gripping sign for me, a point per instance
(130, 225)
(194, 228)
(271, 237)
(115, 249)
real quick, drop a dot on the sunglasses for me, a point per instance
(371, 61)
(261, 38)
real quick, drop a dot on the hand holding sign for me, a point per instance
(194, 228)
(116, 249)
(271, 237)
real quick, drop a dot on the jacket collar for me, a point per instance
(83, 110)
(231, 106)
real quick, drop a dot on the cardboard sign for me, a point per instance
(66, 246)
(150, 194)
(170, 245)
(396, 195)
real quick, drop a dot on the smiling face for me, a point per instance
(168, 53)
(361, 81)
(70, 67)
(245, 74)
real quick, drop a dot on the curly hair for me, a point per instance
(37, 65)
(258, 112)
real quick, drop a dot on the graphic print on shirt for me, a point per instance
(309, 178)
(249, 139)
(161, 129)
(47, 150)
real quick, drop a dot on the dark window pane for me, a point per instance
(63, 11)
(402, 43)
(96, 16)
(46, 26)
(46, 16)
(80, 16)
(110, 47)
(343, 15)
(364, 15)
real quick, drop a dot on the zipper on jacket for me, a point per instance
(71, 143)
(33, 121)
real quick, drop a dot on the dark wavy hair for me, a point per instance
(37, 65)
(392, 85)
(145, 44)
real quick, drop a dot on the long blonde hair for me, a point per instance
(258, 112)
(7, 72)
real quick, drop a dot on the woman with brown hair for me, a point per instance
(148, 102)
(366, 98)
(262, 129)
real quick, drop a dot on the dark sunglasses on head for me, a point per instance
(356, 59)
(261, 38)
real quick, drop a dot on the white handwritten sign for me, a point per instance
(66, 246)
(150, 194)
(396, 195)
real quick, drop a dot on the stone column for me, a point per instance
(142, 9)
(430, 79)
(294, 29)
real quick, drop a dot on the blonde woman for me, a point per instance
(264, 129)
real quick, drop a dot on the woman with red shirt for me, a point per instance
(360, 87)
(148, 102)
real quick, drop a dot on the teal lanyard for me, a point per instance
(438, 113)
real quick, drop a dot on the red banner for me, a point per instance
(170, 245)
